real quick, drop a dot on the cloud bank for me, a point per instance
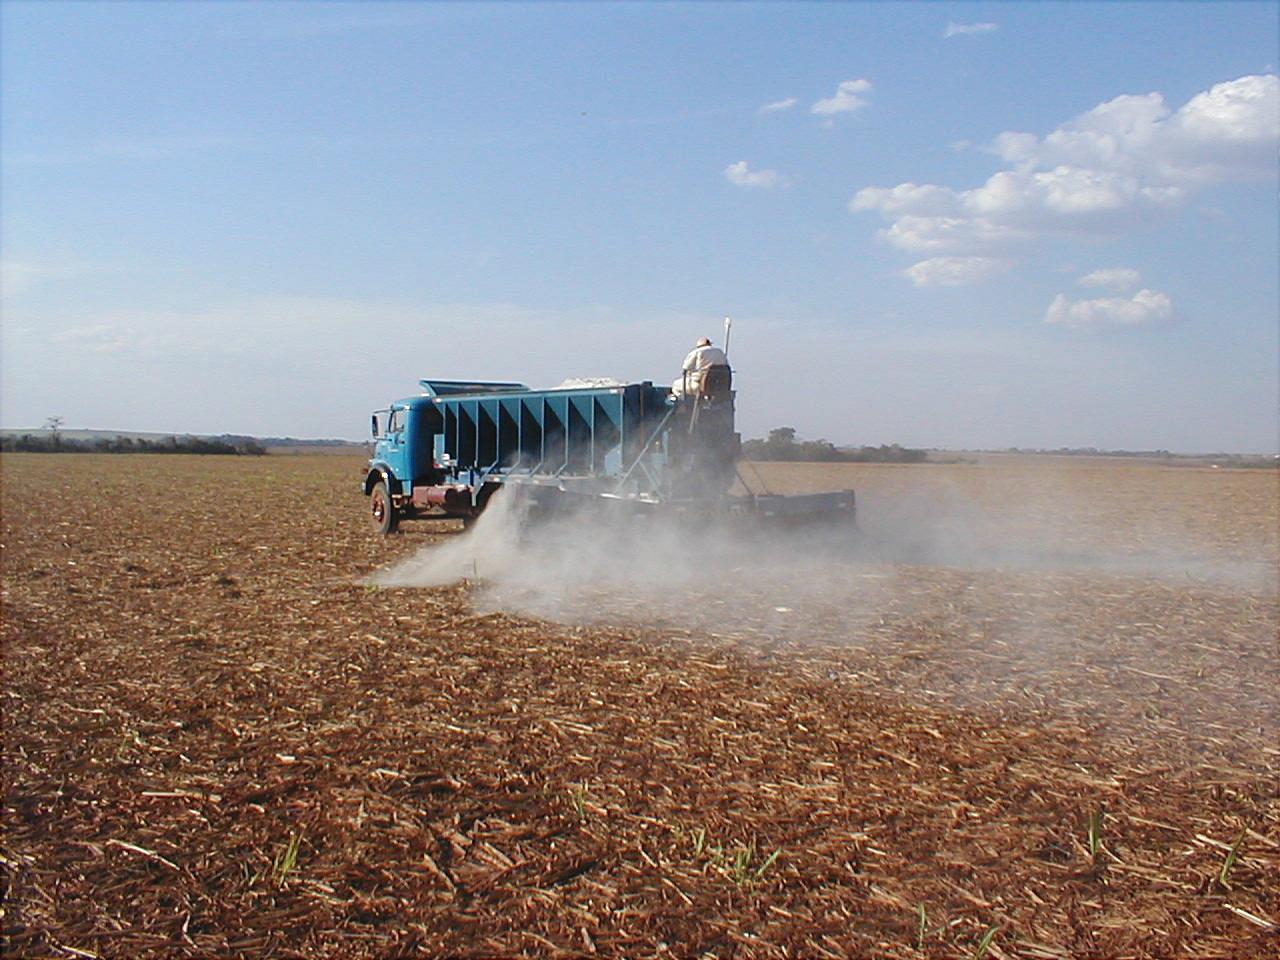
(1126, 162)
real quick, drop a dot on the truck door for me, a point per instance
(393, 447)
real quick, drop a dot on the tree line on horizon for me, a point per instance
(54, 442)
(782, 445)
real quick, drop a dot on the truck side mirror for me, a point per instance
(374, 422)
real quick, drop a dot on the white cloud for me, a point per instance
(846, 98)
(1227, 132)
(1145, 307)
(1112, 278)
(906, 198)
(968, 29)
(955, 271)
(1123, 163)
(741, 175)
(941, 234)
(777, 105)
(1014, 205)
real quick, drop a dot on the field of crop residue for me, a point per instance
(1029, 708)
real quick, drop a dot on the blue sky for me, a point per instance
(934, 224)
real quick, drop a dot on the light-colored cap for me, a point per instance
(703, 342)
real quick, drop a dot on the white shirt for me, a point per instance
(700, 358)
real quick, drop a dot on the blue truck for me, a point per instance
(445, 452)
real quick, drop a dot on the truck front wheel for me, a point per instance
(381, 510)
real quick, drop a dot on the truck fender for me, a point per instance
(381, 472)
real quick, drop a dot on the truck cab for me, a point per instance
(403, 437)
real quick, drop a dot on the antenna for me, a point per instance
(728, 328)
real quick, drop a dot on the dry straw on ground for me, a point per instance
(217, 741)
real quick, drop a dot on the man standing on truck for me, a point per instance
(701, 358)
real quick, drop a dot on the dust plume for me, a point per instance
(603, 562)
(934, 597)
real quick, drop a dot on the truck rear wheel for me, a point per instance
(381, 510)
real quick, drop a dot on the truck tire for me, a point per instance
(381, 510)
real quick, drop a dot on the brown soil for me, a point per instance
(218, 741)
